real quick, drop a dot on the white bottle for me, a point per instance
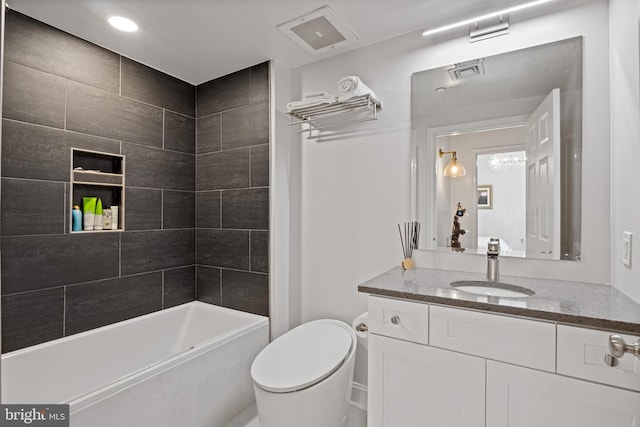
(114, 217)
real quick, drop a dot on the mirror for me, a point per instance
(514, 121)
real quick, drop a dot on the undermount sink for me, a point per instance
(493, 289)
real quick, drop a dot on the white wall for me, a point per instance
(625, 141)
(356, 189)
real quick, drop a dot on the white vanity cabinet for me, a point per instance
(414, 385)
(435, 365)
(524, 397)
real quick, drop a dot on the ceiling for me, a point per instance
(198, 40)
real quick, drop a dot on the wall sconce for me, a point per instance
(454, 169)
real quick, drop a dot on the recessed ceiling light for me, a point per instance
(123, 24)
(483, 17)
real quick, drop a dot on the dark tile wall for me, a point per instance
(62, 92)
(232, 190)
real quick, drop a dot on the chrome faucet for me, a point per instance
(493, 251)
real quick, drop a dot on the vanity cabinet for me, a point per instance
(435, 365)
(524, 397)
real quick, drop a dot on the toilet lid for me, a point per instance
(302, 357)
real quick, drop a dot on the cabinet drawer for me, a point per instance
(514, 340)
(399, 319)
(581, 354)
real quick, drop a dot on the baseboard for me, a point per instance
(359, 396)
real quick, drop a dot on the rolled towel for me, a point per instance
(351, 86)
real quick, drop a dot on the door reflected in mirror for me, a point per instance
(516, 126)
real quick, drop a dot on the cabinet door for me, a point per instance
(526, 398)
(412, 385)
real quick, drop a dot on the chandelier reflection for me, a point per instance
(507, 161)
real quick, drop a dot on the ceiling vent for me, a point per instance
(318, 31)
(463, 70)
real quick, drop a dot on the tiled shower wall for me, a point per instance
(62, 92)
(232, 190)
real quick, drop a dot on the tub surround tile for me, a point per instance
(223, 93)
(26, 148)
(208, 134)
(62, 92)
(245, 126)
(209, 288)
(245, 291)
(95, 304)
(259, 83)
(225, 169)
(223, 248)
(38, 262)
(246, 209)
(144, 251)
(32, 207)
(33, 96)
(143, 209)
(40, 46)
(178, 286)
(157, 168)
(32, 318)
(178, 209)
(156, 88)
(232, 146)
(208, 209)
(260, 166)
(102, 113)
(179, 132)
(259, 255)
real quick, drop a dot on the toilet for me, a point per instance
(303, 378)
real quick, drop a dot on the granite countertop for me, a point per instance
(582, 304)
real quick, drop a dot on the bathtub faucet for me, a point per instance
(493, 252)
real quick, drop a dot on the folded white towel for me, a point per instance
(351, 86)
(311, 102)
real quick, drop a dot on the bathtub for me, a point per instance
(185, 366)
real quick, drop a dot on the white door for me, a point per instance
(521, 397)
(412, 385)
(543, 179)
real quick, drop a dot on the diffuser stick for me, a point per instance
(404, 253)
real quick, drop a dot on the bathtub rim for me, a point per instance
(81, 401)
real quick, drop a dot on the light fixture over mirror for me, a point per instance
(454, 168)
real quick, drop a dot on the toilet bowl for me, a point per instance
(303, 378)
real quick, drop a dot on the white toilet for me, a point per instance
(303, 378)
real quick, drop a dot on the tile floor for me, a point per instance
(249, 418)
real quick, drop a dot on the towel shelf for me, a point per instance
(325, 116)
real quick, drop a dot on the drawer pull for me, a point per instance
(618, 347)
(395, 320)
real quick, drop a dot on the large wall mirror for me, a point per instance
(514, 123)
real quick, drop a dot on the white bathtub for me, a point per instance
(184, 366)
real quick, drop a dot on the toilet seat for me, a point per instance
(302, 357)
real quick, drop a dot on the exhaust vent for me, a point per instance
(463, 70)
(318, 31)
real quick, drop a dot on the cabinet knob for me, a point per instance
(617, 349)
(395, 320)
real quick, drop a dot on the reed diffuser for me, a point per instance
(409, 238)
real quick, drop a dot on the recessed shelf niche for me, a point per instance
(97, 174)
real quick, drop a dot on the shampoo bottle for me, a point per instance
(114, 217)
(89, 212)
(76, 218)
(97, 222)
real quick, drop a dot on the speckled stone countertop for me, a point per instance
(582, 304)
